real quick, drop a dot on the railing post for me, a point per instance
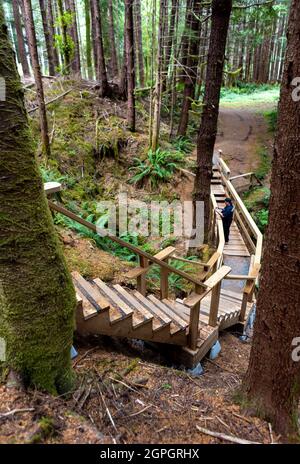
(141, 280)
(164, 282)
(194, 330)
(214, 305)
(243, 307)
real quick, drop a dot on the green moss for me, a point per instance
(37, 298)
(46, 429)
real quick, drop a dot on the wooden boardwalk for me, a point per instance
(187, 328)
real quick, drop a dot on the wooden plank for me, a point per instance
(193, 299)
(164, 320)
(176, 307)
(95, 298)
(52, 187)
(134, 302)
(178, 320)
(217, 276)
(88, 309)
(166, 253)
(125, 309)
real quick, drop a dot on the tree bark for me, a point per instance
(50, 18)
(20, 39)
(192, 65)
(130, 64)
(65, 38)
(75, 60)
(154, 134)
(272, 380)
(38, 78)
(221, 11)
(49, 44)
(37, 298)
(139, 44)
(101, 66)
(88, 46)
(113, 50)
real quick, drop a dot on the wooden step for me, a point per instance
(179, 323)
(117, 313)
(139, 307)
(179, 309)
(157, 313)
(90, 293)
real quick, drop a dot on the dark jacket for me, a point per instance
(228, 214)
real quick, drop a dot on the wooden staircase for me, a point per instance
(186, 329)
(120, 312)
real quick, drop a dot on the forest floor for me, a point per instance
(127, 392)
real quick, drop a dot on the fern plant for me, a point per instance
(157, 167)
(183, 144)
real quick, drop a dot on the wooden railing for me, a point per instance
(250, 233)
(201, 289)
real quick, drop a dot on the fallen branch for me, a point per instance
(51, 101)
(230, 438)
(15, 411)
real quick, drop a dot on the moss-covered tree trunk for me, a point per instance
(37, 299)
(272, 382)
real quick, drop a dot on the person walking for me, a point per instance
(227, 216)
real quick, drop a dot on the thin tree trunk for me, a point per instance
(38, 78)
(272, 380)
(130, 64)
(159, 79)
(221, 11)
(75, 61)
(139, 44)
(101, 66)
(64, 30)
(113, 50)
(49, 45)
(192, 65)
(37, 301)
(88, 48)
(95, 52)
(20, 39)
(50, 17)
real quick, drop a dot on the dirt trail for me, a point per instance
(241, 132)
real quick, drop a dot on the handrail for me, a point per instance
(60, 209)
(243, 210)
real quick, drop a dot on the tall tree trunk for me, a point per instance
(37, 299)
(65, 39)
(38, 78)
(113, 50)
(159, 79)
(192, 65)
(171, 33)
(221, 11)
(101, 66)
(130, 64)
(95, 52)
(123, 81)
(139, 40)
(20, 39)
(272, 380)
(75, 61)
(88, 46)
(49, 45)
(50, 18)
